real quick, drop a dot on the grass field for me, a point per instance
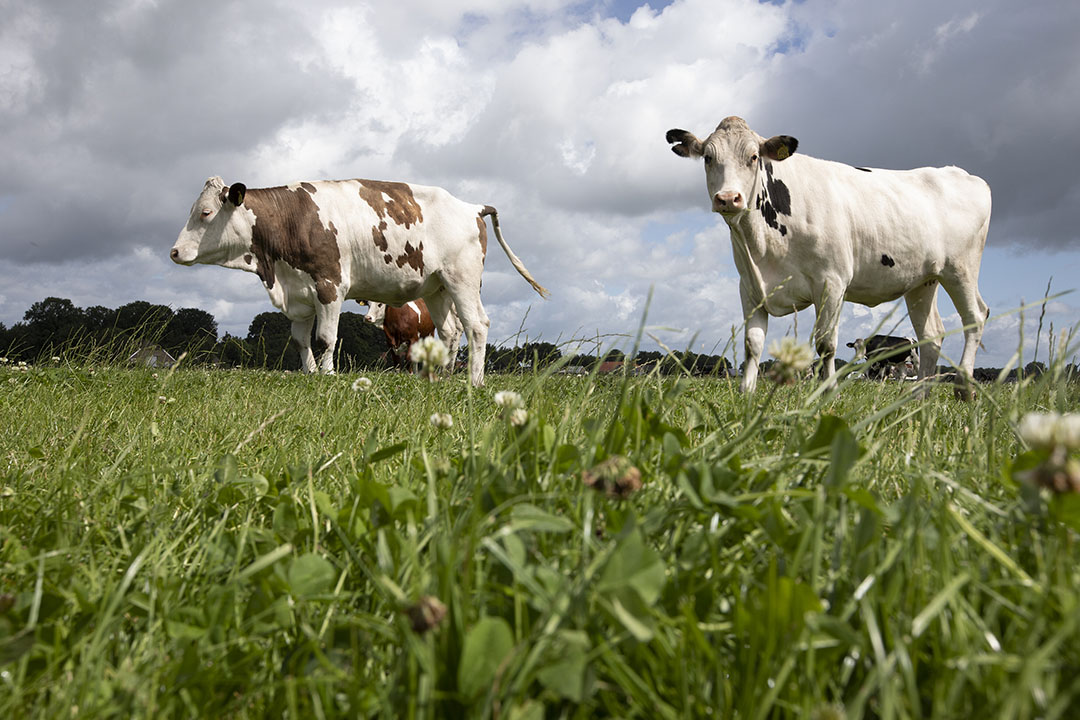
(242, 543)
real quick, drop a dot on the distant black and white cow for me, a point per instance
(807, 232)
(889, 356)
(316, 244)
(406, 324)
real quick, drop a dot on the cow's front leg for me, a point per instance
(757, 323)
(826, 330)
(301, 335)
(326, 331)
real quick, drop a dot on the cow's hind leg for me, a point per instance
(301, 335)
(926, 320)
(471, 312)
(973, 312)
(326, 335)
(826, 330)
(441, 307)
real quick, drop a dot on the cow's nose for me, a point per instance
(174, 254)
(728, 200)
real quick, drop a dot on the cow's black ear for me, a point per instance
(779, 147)
(237, 191)
(687, 143)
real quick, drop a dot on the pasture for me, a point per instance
(246, 543)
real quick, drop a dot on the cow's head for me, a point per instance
(376, 314)
(859, 346)
(218, 231)
(734, 157)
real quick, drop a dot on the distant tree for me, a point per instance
(583, 360)
(648, 360)
(47, 327)
(141, 322)
(542, 353)
(231, 351)
(190, 330)
(99, 322)
(360, 344)
(268, 342)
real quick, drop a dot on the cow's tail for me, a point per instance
(514, 260)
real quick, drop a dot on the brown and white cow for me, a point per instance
(807, 232)
(316, 244)
(405, 325)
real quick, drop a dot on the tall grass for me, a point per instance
(246, 543)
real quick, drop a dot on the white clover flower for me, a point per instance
(12, 381)
(430, 351)
(792, 353)
(55, 358)
(22, 363)
(165, 400)
(361, 384)
(4, 361)
(507, 399)
(792, 360)
(1051, 430)
(519, 416)
(443, 421)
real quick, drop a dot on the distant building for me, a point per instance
(152, 357)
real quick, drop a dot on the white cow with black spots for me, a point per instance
(808, 232)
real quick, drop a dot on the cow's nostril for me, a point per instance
(174, 254)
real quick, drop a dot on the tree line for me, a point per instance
(57, 327)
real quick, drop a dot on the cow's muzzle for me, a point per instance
(176, 257)
(728, 202)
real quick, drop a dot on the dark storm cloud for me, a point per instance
(132, 103)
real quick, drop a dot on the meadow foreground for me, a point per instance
(244, 543)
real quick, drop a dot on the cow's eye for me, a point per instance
(206, 212)
(708, 160)
(753, 159)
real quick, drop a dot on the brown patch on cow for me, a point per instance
(378, 236)
(287, 228)
(247, 259)
(394, 199)
(388, 258)
(309, 187)
(413, 256)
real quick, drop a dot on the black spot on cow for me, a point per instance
(309, 187)
(319, 345)
(887, 261)
(779, 195)
(863, 169)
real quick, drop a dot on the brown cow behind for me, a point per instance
(402, 326)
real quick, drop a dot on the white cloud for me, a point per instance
(550, 110)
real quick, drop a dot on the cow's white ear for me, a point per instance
(684, 144)
(236, 193)
(779, 147)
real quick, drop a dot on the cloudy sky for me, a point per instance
(113, 114)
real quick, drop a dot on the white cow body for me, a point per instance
(808, 232)
(316, 244)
